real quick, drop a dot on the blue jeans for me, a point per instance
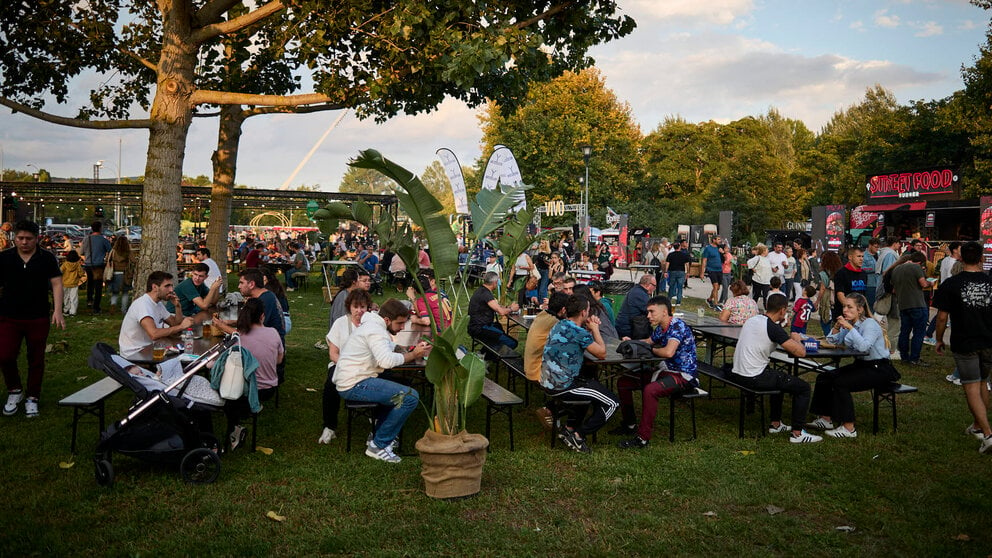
(494, 336)
(789, 289)
(391, 417)
(915, 320)
(676, 280)
(542, 284)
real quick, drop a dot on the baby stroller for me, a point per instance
(162, 426)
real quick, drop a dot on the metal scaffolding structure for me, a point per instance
(129, 196)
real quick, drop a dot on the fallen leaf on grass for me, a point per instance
(266, 451)
(81, 378)
(67, 464)
(772, 510)
(312, 389)
(709, 514)
(962, 537)
(275, 517)
(746, 452)
(845, 528)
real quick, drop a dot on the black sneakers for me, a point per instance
(633, 443)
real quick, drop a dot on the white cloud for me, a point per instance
(724, 77)
(857, 25)
(967, 25)
(882, 19)
(929, 29)
(721, 12)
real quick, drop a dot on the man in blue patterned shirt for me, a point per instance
(672, 340)
(563, 357)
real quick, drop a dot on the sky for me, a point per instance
(701, 60)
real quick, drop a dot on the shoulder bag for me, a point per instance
(825, 304)
(108, 268)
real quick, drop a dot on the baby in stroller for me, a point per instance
(170, 421)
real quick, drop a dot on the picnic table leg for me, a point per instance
(740, 421)
(671, 419)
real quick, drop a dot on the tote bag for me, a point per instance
(232, 382)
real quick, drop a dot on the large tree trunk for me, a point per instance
(225, 160)
(171, 115)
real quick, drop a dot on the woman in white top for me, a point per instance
(790, 274)
(521, 270)
(358, 303)
(762, 269)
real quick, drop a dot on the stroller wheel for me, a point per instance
(200, 466)
(104, 472)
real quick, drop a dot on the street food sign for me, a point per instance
(928, 184)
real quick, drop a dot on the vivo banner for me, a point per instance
(454, 171)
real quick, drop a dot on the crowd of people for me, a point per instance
(573, 326)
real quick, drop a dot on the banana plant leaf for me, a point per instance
(423, 209)
(490, 207)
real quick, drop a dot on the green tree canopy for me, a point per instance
(545, 133)
(380, 59)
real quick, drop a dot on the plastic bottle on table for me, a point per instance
(188, 341)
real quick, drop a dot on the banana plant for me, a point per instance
(456, 374)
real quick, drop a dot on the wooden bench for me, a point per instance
(746, 394)
(499, 400)
(89, 401)
(888, 395)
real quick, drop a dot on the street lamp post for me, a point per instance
(586, 153)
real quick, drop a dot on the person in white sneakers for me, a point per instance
(832, 399)
(27, 274)
(364, 356)
(760, 336)
(966, 298)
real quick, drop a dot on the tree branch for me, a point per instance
(208, 32)
(290, 110)
(141, 60)
(74, 122)
(212, 11)
(204, 96)
(551, 11)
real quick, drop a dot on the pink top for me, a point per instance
(728, 262)
(425, 260)
(264, 344)
(741, 309)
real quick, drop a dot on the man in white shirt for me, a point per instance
(760, 336)
(147, 318)
(779, 261)
(364, 356)
(203, 256)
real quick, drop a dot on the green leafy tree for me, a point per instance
(545, 133)
(384, 59)
(437, 183)
(358, 180)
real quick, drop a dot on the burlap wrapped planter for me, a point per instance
(452, 465)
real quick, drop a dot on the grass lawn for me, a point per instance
(922, 491)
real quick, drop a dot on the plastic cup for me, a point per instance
(158, 351)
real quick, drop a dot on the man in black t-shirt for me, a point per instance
(967, 299)
(849, 279)
(482, 311)
(676, 265)
(26, 275)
